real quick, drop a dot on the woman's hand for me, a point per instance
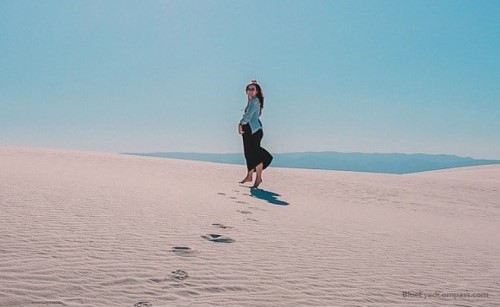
(240, 129)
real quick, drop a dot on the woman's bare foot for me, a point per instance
(246, 179)
(258, 181)
(258, 178)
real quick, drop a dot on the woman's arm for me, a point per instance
(252, 108)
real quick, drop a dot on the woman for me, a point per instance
(250, 127)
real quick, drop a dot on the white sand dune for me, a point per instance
(93, 229)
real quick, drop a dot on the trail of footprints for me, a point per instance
(241, 202)
(185, 251)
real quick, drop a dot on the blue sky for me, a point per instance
(352, 76)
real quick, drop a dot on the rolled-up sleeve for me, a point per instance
(252, 108)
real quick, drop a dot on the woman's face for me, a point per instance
(251, 91)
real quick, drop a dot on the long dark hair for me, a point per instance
(259, 93)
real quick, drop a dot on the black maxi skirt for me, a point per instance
(254, 154)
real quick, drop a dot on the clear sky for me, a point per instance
(351, 76)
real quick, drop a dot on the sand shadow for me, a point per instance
(268, 196)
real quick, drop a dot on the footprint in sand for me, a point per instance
(220, 193)
(244, 212)
(242, 202)
(179, 274)
(221, 226)
(232, 197)
(183, 251)
(143, 304)
(217, 238)
(256, 208)
(251, 219)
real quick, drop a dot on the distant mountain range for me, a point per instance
(357, 162)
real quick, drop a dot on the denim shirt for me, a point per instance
(251, 116)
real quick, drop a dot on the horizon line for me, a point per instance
(314, 152)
